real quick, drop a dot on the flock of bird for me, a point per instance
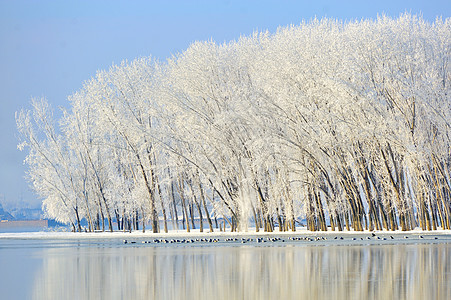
(260, 239)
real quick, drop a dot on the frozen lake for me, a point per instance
(107, 268)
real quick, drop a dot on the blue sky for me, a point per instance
(49, 48)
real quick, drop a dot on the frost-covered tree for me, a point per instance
(340, 125)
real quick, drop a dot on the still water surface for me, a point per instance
(108, 269)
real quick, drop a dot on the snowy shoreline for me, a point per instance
(300, 232)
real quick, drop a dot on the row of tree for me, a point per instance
(336, 124)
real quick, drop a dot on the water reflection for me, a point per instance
(291, 272)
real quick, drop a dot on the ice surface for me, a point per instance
(301, 236)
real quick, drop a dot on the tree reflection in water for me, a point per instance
(291, 272)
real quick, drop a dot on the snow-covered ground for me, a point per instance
(194, 234)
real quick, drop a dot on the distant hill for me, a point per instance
(4, 215)
(27, 213)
